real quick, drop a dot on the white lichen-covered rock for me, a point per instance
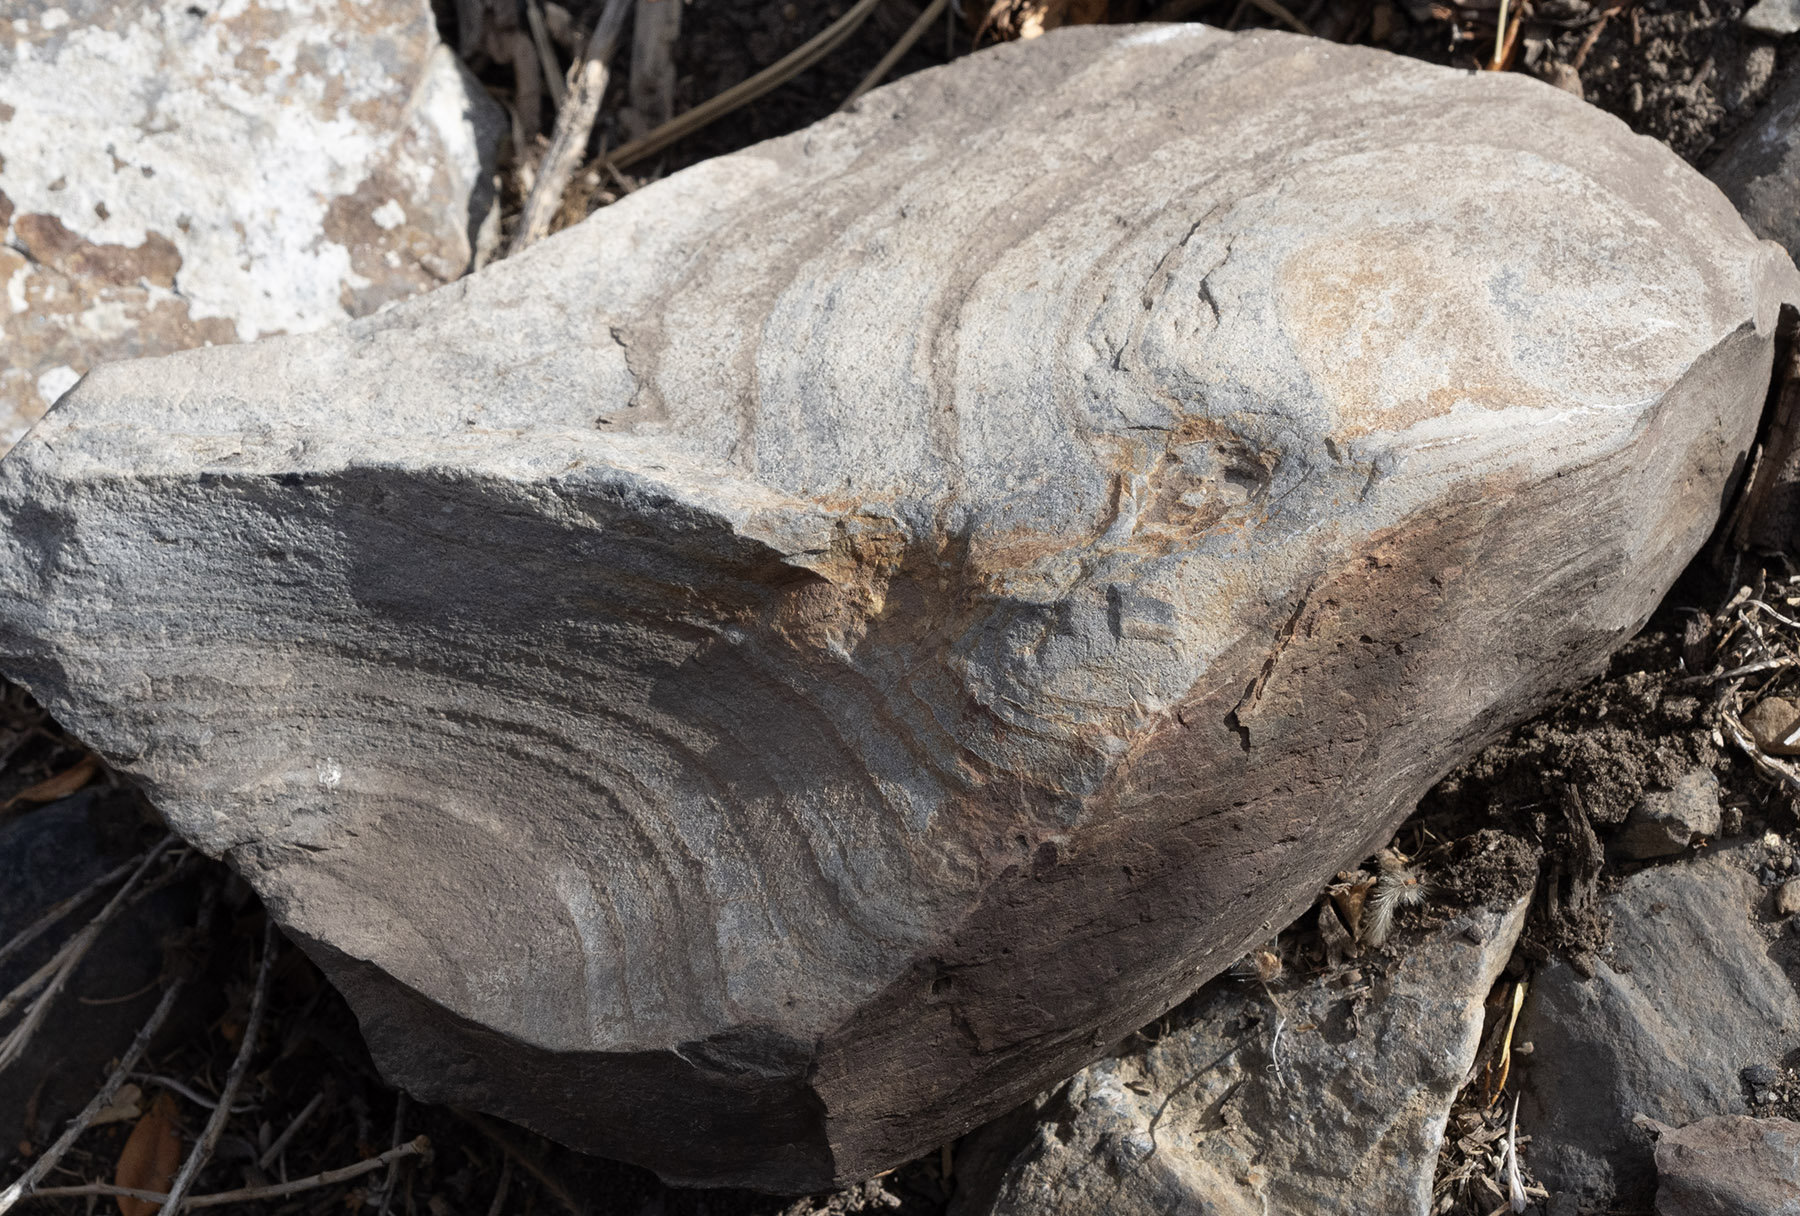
(180, 174)
(784, 670)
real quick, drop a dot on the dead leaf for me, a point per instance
(128, 1103)
(150, 1157)
(1350, 893)
(60, 786)
(1008, 19)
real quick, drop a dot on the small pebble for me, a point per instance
(1761, 1076)
(1564, 77)
(1774, 722)
(1774, 17)
(1787, 898)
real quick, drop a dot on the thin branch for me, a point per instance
(30, 933)
(1765, 764)
(419, 1147)
(281, 1142)
(393, 1174)
(110, 1090)
(191, 1094)
(215, 1123)
(99, 1102)
(654, 31)
(1738, 673)
(574, 124)
(770, 78)
(540, 41)
(499, 1204)
(1278, 11)
(897, 52)
(557, 1190)
(69, 958)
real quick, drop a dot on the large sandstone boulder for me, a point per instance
(178, 174)
(781, 672)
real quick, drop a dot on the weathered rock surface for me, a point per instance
(1686, 999)
(1667, 822)
(1730, 1165)
(176, 175)
(1322, 1097)
(788, 669)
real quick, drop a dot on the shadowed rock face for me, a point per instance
(777, 674)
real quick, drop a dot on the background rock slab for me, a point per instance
(1686, 998)
(176, 175)
(1729, 1165)
(1759, 169)
(1343, 1112)
(783, 671)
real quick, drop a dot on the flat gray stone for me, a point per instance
(1310, 1098)
(1685, 1000)
(1729, 1165)
(176, 175)
(793, 666)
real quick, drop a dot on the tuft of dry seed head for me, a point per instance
(1398, 885)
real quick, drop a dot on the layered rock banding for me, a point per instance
(781, 672)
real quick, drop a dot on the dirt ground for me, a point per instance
(1687, 73)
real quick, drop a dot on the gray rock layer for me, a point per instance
(1327, 1096)
(785, 670)
(1686, 999)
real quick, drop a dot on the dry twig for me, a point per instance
(281, 1142)
(393, 1174)
(178, 1086)
(1765, 764)
(48, 981)
(540, 40)
(897, 52)
(36, 928)
(574, 125)
(499, 1204)
(505, 1144)
(48, 1159)
(215, 1123)
(418, 1147)
(771, 77)
(1275, 9)
(653, 34)
(22, 1188)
